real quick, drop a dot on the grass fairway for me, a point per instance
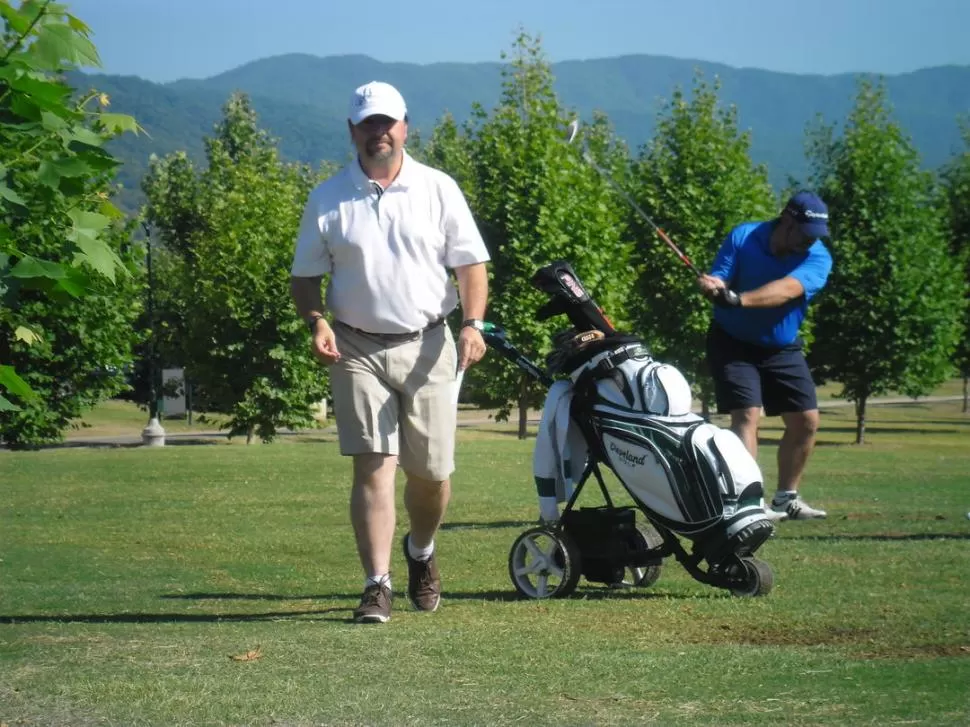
(130, 576)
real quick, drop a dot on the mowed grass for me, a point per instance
(130, 576)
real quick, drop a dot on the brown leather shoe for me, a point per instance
(424, 582)
(375, 605)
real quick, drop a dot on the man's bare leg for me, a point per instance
(744, 423)
(426, 502)
(372, 511)
(796, 446)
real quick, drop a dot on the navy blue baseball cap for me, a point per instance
(810, 212)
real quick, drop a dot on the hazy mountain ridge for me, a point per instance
(302, 100)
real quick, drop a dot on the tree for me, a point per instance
(890, 316)
(535, 201)
(956, 186)
(68, 276)
(176, 209)
(227, 234)
(696, 180)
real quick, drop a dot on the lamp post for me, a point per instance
(153, 435)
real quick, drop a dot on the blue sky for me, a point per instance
(162, 40)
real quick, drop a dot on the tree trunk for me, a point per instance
(523, 407)
(860, 421)
(188, 400)
(249, 434)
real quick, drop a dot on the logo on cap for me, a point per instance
(377, 99)
(810, 212)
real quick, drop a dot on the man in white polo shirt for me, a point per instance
(387, 230)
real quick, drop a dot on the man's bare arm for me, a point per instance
(473, 289)
(773, 294)
(306, 296)
(309, 304)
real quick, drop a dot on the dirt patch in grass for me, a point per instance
(868, 642)
(923, 651)
(785, 635)
(863, 516)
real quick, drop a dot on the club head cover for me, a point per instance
(569, 296)
(559, 278)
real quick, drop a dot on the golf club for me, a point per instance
(571, 132)
(495, 337)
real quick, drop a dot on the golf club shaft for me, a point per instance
(663, 235)
(571, 133)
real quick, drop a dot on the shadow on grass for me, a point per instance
(109, 443)
(934, 422)
(775, 441)
(496, 525)
(584, 593)
(176, 439)
(448, 595)
(883, 537)
(147, 618)
(75, 444)
(870, 433)
(878, 428)
(488, 429)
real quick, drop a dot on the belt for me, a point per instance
(395, 337)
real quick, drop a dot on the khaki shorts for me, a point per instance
(397, 399)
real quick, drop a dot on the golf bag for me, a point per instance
(690, 478)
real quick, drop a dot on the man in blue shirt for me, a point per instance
(761, 282)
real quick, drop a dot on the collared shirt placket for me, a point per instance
(387, 354)
(378, 191)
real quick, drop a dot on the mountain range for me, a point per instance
(302, 100)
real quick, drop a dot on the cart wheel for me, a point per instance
(544, 563)
(647, 538)
(758, 578)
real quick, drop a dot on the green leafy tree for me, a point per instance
(696, 180)
(535, 201)
(82, 350)
(227, 233)
(450, 149)
(956, 185)
(68, 278)
(891, 314)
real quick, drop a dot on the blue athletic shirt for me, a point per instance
(745, 263)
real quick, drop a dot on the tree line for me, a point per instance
(220, 238)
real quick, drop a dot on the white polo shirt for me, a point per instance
(388, 254)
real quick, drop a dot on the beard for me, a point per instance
(379, 149)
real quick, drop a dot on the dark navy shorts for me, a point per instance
(746, 375)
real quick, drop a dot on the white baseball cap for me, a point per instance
(376, 99)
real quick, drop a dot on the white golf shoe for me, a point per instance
(793, 508)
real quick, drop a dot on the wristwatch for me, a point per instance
(476, 323)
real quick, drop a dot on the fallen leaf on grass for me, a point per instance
(251, 655)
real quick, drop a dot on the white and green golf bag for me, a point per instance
(689, 476)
